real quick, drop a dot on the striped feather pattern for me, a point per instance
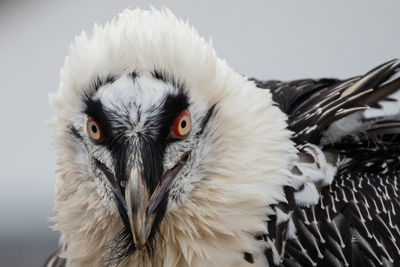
(343, 205)
(355, 223)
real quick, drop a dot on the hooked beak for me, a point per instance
(141, 206)
(137, 200)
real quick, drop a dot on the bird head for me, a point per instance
(161, 146)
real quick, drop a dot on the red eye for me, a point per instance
(182, 124)
(93, 129)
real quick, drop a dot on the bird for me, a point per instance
(168, 157)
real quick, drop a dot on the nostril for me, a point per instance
(185, 157)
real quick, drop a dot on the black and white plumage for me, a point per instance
(167, 157)
(355, 218)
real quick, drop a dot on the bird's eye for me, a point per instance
(182, 124)
(93, 129)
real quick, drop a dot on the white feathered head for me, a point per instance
(165, 154)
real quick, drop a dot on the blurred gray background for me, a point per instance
(265, 39)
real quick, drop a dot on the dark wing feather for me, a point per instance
(356, 221)
(299, 90)
(313, 105)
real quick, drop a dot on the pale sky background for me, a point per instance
(265, 39)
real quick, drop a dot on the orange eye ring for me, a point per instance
(93, 129)
(182, 124)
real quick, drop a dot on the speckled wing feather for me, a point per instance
(343, 204)
(313, 105)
